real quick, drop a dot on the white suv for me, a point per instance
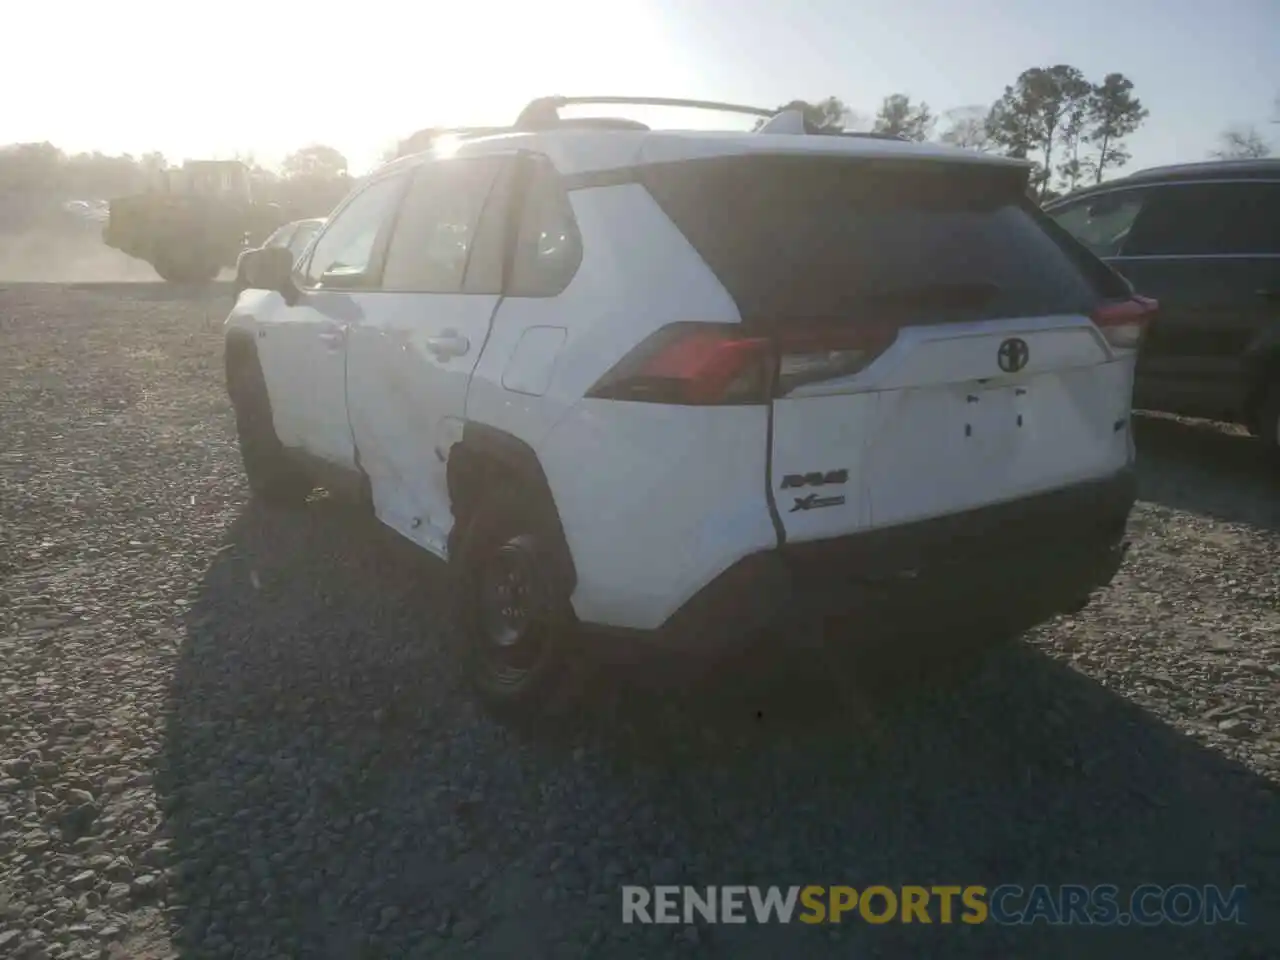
(682, 386)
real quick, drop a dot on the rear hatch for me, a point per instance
(938, 345)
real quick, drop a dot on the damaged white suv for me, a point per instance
(677, 387)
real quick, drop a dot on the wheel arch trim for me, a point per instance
(494, 447)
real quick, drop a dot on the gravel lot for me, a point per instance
(229, 733)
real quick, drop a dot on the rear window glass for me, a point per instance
(797, 239)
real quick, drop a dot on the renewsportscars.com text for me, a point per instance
(1006, 904)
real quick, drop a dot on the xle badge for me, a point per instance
(814, 502)
(815, 479)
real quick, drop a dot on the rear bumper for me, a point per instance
(1022, 562)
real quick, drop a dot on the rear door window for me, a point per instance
(1208, 219)
(816, 239)
(437, 227)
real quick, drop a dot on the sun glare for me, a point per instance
(264, 79)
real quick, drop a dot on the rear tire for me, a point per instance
(514, 615)
(273, 478)
(192, 269)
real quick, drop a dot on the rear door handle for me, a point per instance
(333, 339)
(449, 344)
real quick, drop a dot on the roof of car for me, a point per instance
(586, 145)
(1260, 169)
(586, 150)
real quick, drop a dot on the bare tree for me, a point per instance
(966, 127)
(1241, 143)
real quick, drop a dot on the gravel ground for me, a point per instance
(228, 733)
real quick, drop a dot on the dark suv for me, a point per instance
(1204, 240)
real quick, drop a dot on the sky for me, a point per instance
(265, 77)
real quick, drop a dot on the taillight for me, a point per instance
(821, 355)
(692, 363)
(1124, 322)
(716, 364)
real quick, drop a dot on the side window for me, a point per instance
(301, 237)
(437, 226)
(280, 238)
(1207, 219)
(348, 244)
(1102, 223)
(1254, 224)
(549, 246)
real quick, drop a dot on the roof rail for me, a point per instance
(867, 135)
(544, 112)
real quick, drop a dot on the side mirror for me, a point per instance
(271, 268)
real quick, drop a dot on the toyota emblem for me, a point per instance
(1013, 355)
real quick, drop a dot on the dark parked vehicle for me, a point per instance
(294, 236)
(192, 221)
(1204, 240)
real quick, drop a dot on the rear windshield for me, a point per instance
(797, 239)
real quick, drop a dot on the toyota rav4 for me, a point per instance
(685, 387)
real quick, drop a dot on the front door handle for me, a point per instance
(449, 344)
(333, 339)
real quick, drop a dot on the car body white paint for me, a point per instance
(656, 501)
(409, 369)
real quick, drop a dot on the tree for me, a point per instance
(1241, 143)
(1010, 126)
(966, 128)
(1033, 112)
(1114, 113)
(315, 162)
(153, 162)
(1073, 169)
(898, 115)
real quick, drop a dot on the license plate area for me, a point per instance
(996, 418)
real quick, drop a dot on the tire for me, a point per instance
(183, 270)
(1268, 422)
(519, 659)
(273, 478)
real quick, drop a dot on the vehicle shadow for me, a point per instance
(1203, 468)
(329, 790)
